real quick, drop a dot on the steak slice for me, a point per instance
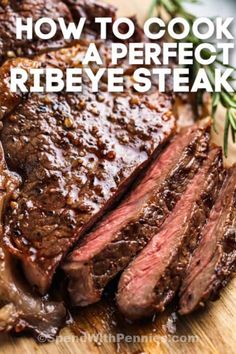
(152, 279)
(214, 260)
(20, 308)
(76, 154)
(124, 232)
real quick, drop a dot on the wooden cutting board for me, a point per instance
(211, 330)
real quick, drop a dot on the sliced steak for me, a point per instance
(152, 279)
(119, 237)
(20, 308)
(214, 260)
(76, 155)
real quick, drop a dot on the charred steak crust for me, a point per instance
(152, 279)
(20, 308)
(76, 155)
(214, 260)
(69, 10)
(11, 9)
(124, 232)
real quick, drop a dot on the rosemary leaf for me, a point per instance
(228, 100)
(215, 102)
(232, 121)
(226, 134)
(169, 6)
(233, 132)
(224, 65)
(152, 7)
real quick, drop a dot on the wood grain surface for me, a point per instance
(211, 330)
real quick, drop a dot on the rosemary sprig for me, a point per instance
(174, 8)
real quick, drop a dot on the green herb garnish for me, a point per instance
(175, 8)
